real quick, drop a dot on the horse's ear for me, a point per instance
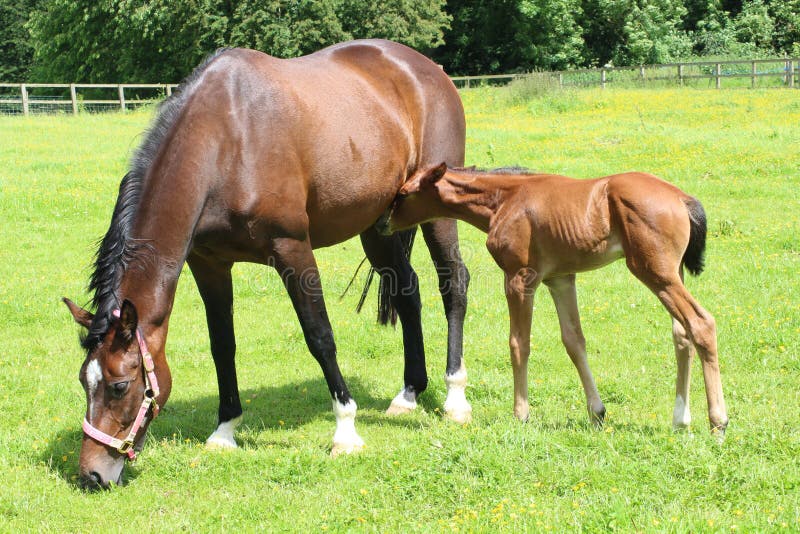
(81, 316)
(434, 174)
(128, 318)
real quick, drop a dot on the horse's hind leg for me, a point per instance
(441, 236)
(387, 256)
(294, 261)
(701, 329)
(213, 280)
(563, 292)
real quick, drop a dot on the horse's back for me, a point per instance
(331, 135)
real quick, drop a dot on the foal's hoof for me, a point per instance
(718, 431)
(405, 402)
(598, 417)
(347, 448)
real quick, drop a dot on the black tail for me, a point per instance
(694, 257)
(386, 311)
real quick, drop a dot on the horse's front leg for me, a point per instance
(441, 237)
(520, 290)
(213, 280)
(562, 290)
(297, 267)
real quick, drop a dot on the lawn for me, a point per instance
(736, 150)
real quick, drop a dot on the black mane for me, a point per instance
(117, 250)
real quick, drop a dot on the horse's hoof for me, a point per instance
(598, 417)
(347, 448)
(718, 431)
(222, 438)
(405, 402)
(220, 443)
(461, 417)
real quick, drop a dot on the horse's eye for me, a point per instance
(118, 389)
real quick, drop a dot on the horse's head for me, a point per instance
(416, 201)
(120, 386)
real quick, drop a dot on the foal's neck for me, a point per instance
(471, 197)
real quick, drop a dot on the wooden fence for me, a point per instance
(74, 98)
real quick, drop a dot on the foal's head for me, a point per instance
(115, 383)
(417, 201)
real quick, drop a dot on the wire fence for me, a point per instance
(25, 99)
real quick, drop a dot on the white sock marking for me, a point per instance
(680, 415)
(223, 435)
(456, 405)
(346, 439)
(405, 399)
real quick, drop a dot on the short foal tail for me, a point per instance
(693, 258)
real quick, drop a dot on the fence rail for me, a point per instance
(73, 97)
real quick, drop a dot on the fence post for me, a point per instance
(121, 91)
(680, 74)
(602, 78)
(641, 72)
(753, 75)
(73, 97)
(791, 73)
(24, 96)
(719, 70)
(169, 90)
(560, 80)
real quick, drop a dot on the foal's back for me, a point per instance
(580, 225)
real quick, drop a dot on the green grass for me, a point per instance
(735, 150)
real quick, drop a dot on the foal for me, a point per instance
(545, 228)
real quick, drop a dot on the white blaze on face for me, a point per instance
(94, 375)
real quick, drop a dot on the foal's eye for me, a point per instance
(118, 389)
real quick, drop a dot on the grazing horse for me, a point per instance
(544, 228)
(260, 159)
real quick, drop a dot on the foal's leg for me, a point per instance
(297, 267)
(213, 280)
(563, 292)
(387, 256)
(701, 328)
(441, 236)
(520, 290)
(684, 353)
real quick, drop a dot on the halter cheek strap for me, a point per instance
(150, 393)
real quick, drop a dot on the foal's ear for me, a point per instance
(81, 316)
(433, 174)
(128, 318)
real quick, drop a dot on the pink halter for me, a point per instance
(150, 393)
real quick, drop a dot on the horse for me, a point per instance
(545, 228)
(260, 159)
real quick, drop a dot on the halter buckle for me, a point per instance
(127, 448)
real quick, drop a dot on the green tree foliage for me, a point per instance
(147, 40)
(16, 50)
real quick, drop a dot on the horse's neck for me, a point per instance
(474, 200)
(165, 223)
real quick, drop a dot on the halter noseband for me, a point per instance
(150, 393)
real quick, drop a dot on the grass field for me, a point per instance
(738, 151)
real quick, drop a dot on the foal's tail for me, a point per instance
(694, 257)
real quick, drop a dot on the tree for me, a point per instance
(16, 51)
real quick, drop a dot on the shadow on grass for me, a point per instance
(286, 407)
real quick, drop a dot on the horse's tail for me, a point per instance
(694, 257)
(387, 312)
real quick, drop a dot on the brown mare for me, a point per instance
(545, 228)
(262, 160)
